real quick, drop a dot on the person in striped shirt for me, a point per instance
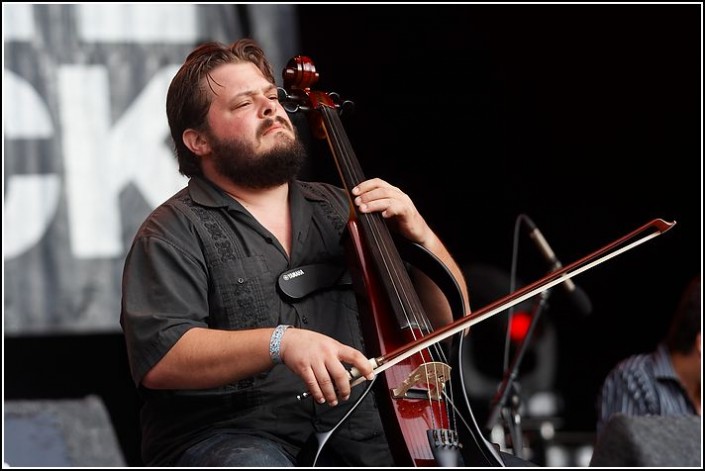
(665, 381)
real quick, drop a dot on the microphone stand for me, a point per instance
(509, 388)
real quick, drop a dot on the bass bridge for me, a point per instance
(425, 382)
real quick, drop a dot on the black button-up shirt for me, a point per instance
(202, 260)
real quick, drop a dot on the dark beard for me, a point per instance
(237, 161)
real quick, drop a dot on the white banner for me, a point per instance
(86, 146)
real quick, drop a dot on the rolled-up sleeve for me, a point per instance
(164, 290)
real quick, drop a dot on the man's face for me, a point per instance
(252, 140)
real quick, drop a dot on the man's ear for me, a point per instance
(196, 143)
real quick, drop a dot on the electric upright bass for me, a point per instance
(424, 424)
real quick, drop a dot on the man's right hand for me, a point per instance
(318, 360)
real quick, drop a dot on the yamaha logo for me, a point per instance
(293, 274)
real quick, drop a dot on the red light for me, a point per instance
(519, 326)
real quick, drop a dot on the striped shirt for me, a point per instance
(644, 384)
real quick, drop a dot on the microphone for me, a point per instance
(577, 296)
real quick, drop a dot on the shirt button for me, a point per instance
(304, 319)
(241, 280)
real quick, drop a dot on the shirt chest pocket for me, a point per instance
(242, 294)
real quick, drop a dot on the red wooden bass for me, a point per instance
(428, 421)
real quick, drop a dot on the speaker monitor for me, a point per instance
(60, 433)
(653, 441)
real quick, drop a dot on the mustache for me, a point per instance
(269, 122)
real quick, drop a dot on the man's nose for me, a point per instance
(268, 108)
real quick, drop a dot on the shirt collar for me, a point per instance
(207, 193)
(663, 368)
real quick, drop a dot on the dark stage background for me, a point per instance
(584, 117)
(587, 118)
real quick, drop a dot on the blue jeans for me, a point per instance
(237, 450)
